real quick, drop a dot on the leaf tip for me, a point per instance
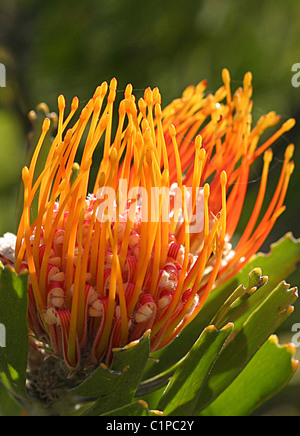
(213, 328)
(257, 271)
(296, 293)
(290, 348)
(228, 326)
(133, 344)
(295, 365)
(10, 268)
(210, 328)
(143, 403)
(274, 339)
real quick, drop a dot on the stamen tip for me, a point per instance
(46, 124)
(202, 154)
(206, 190)
(268, 156)
(75, 104)
(226, 77)
(289, 124)
(289, 152)
(224, 178)
(198, 142)
(158, 111)
(113, 84)
(247, 79)
(128, 90)
(25, 174)
(61, 102)
(290, 168)
(172, 130)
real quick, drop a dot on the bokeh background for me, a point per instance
(71, 46)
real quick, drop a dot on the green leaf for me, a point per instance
(123, 378)
(137, 408)
(227, 312)
(13, 318)
(277, 265)
(99, 383)
(264, 316)
(184, 391)
(268, 372)
(154, 397)
(238, 306)
(8, 406)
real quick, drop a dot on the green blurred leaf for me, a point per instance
(185, 388)
(268, 372)
(11, 157)
(13, 316)
(264, 316)
(277, 265)
(137, 408)
(130, 363)
(8, 406)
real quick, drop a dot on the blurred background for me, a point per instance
(71, 46)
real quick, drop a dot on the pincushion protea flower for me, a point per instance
(102, 271)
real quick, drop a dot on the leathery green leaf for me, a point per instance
(14, 331)
(238, 306)
(100, 382)
(268, 372)
(8, 406)
(137, 408)
(277, 265)
(184, 391)
(129, 362)
(262, 321)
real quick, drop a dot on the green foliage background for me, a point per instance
(70, 47)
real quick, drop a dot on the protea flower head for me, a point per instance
(140, 244)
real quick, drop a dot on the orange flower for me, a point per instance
(144, 249)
